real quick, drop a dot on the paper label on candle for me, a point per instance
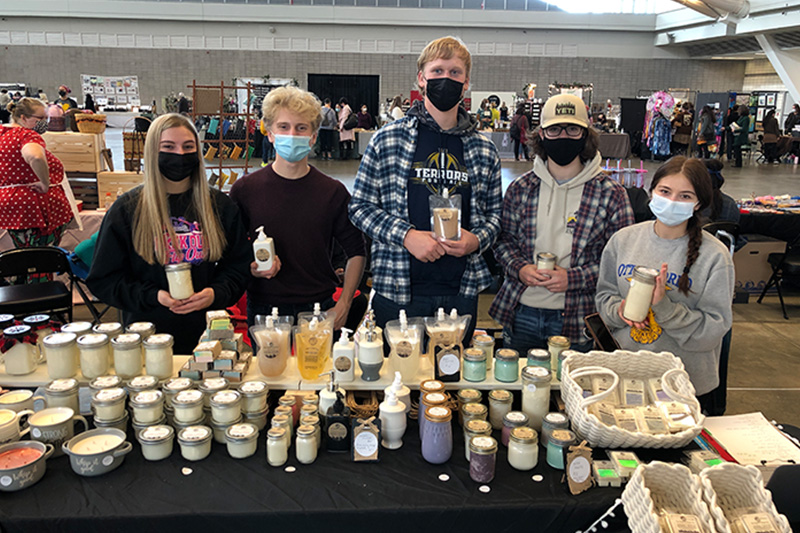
(241, 430)
(107, 326)
(108, 460)
(188, 396)
(483, 442)
(556, 418)
(155, 433)
(107, 395)
(143, 382)
(225, 397)
(195, 433)
(105, 382)
(214, 383)
(449, 363)
(62, 384)
(530, 387)
(437, 412)
(5, 481)
(435, 397)
(127, 338)
(253, 386)
(138, 327)
(93, 338)
(149, 396)
(179, 383)
(161, 338)
(515, 416)
(36, 432)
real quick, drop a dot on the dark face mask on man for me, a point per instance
(177, 167)
(562, 151)
(444, 93)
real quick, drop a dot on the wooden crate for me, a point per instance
(112, 182)
(84, 187)
(79, 152)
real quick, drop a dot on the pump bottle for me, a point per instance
(264, 250)
(327, 396)
(344, 358)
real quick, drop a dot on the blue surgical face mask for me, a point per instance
(671, 213)
(292, 148)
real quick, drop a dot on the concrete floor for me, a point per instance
(764, 371)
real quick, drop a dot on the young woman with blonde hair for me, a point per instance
(174, 217)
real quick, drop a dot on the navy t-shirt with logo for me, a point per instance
(438, 165)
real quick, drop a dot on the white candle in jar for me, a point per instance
(226, 407)
(40, 324)
(20, 359)
(62, 355)
(127, 355)
(277, 451)
(179, 279)
(306, 449)
(174, 386)
(63, 393)
(95, 353)
(195, 442)
(156, 442)
(96, 444)
(109, 404)
(640, 295)
(535, 394)
(211, 385)
(148, 406)
(523, 448)
(188, 406)
(242, 440)
(158, 355)
(254, 396)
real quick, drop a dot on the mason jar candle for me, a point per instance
(219, 428)
(20, 359)
(127, 355)
(286, 410)
(308, 410)
(311, 398)
(120, 423)
(475, 428)
(512, 419)
(486, 344)
(111, 330)
(287, 400)
(555, 345)
(105, 382)
(141, 383)
(143, 329)
(195, 442)
(545, 261)
(306, 445)
(539, 357)
(506, 365)
(242, 440)
(557, 446)
(499, 404)
(148, 406)
(473, 411)
(209, 386)
(63, 393)
(139, 426)
(95, 353)
(552, 422)
(174, 386)
(640, 295)
(482, 456)
(188, 406)
(535, 394)
(313, 421)
(259, 420)
(156, 442)
(561, 358)
(277, 451)
(109, 404)
(523, 448)
(254, 396)
(40, 325)
(465, 396)
(179, 280)
(474, 365)
(429, 399)
(437, 439)
(158, 355)
(226, 406)
(284, 422)
(431, 385)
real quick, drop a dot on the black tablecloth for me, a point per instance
(785, 227)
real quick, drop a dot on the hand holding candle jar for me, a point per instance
(445, 216)
(179, 278)
(640, 295)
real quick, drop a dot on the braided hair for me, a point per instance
(695, 171)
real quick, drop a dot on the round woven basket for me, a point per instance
(91, 123)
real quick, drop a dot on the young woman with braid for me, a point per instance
(691, 307)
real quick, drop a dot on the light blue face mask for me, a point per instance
(292, 148)
(671, 213)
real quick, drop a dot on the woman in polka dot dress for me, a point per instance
(33, 208)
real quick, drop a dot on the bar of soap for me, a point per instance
(220, 323)
(220, 333)
(218, 314)
(206, 352)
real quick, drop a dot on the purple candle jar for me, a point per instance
(511, 420)
(437, 438)
(482, 455)
(430, 399)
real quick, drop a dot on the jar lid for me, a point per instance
(177, 267)
(515, 419)
(474, 409)
(556, 419)
(537, 354)
(434, 398)
(482, 340)
(161, 340)
(536, 373)
(305, 431)
(213, 384)
(482, 445)
(278, 420)
(258, 415)
(127, 340)
(109, 395)
(93, 340)
(309, 410)
(311, 399)
(19, 331)
(558, 340)
(474, 354)
(107, 327)
(143, 382)
(469, 395)
(105, 382)
(524, 435)
(545, 255)
(188, 397)
(253, 387)
(222, 426)
(309, 420)
(55, 340)
(431, 385)
(561, 437)
(178, 384)
(61, 385)
(244, 431)
(276, 433)
(138, 327)
(438, 414)
(76, 327)
(506, 354)
(194, 434)
(500, 395)
(284, 410)
(226, 397)
(478, 426)
(154, 434)
(287, 399)
(36, 320)
(645, 275)
(6, 319)
(147, 397)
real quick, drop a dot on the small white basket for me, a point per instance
(729, 486)
(660, 485)
(640, 365)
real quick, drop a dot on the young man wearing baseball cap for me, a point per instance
(435, 148)
(565, 206)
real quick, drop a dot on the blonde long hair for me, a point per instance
(151, 219)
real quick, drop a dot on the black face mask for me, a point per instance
(563, 151)
(177, 167)
(40, 126)
(444, 93)
(62, 94)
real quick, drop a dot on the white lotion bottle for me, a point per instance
(264, 250)
(344, 358)
(393, 421)
(402, 392)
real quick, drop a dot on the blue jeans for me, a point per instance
(532, 326)
(422, 306)
(267, 150)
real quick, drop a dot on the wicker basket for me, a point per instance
(91, 122)
(640, 365)
(729, 486)
(660, 485)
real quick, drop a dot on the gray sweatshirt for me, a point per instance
(690, 327)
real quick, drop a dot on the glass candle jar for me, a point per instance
(284, 422)
(535, 394)
(557, 447)
(431, 385)
(286, 410)
(61, 351)
(475, 428)
(127, 355)
(195, 442)
(179, 279)
(219, 428)
(561, 358)
(148, 406)
(209, 386)
(311, 398)
(640, 295)
(465, 396)
(555, 345)
(158, 355)
(474, 365)
(306, 449)
(111, 330)
(552, 422)
(120, 423)
(523, 448)
(277, 452)
(259, 420)
(188, 406)
(308, 410)
(486, 344)
(437, 439)
(290, 401)
(226, 406)
(40, 325)
(473, 411)
(109, 404)
(63, 393)
(144, 329)
(21, 358)
(506, 365)
(95, 353)
(156, 442)
(313, 421)
(254, 396)
(512, 419)
(78, 328)
(499, 404)
(545, 261)
(105, 382)
(141, 383)
(539, 357)
(242, 440)
(429, 399)
(174, 386)
(6, 321)
(482, 456)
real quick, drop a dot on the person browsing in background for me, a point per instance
(519, 133)
(396, 109)
(772, 132)
(174, 217)
(435, 148)
(347, 137)
(741, 134)
(566, 206)
(307, 213)
(64, 101)
(691, 307)
(364, 118)
(326, 128)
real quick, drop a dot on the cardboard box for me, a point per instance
(112, 182)
(78, 152)
(752, 269)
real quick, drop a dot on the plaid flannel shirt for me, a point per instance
(379, 206)
(604, 209)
